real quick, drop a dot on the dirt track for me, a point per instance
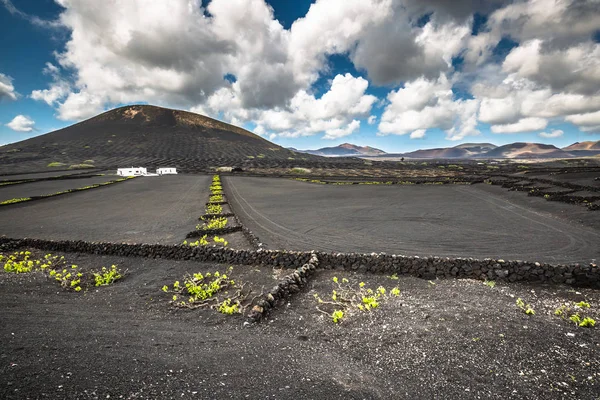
(143, 210)
(441, 220)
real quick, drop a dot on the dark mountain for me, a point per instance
(345, 150)
(148, 136)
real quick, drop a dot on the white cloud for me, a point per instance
(418, 134)
(425, 104)
(334, 113)
(588, 119)
(553, 134)
(7, 90)
(574, 69)
(522, 125)
(21, 123)
(111, 57)
(341, 132)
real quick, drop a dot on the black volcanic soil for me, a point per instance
(452, 339)
(49, 187)
(442, 220)
(49, 174)
(142, 210)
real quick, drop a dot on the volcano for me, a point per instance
(149, 136)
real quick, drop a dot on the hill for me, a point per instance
(465, 150)
(589, 145)
(149, 136)
(527, 150)
(344, 150)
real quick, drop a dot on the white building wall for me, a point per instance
(139, 171)
(166, 171)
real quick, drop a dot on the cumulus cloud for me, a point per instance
(7, 90)
(552, 134)
(522, 125)
(426, 104)
(21, 123)
(232, 59)
(398, 50)
(575, 69)
(586, 120)
(418, 134)
(334, 113)
(341, 132)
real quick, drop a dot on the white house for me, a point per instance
(166, 171)
(139, 171)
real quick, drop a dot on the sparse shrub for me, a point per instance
(345, 299)
(69, 278)
(213, 223)
(210, 290)
(19, 200)
(107, 276)
(81, 166)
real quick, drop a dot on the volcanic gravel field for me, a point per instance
(49, 187)
(142, 210)
(454, 339)
(49, 174)
(441, 220)
(440, 338)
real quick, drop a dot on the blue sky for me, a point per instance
(310, 75)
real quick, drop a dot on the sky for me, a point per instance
(393, 74)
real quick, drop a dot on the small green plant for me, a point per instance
(222, 241)
(393, 277)
(56, 164)
(69, 278)
(214, 209)
(337, 316)
(213, 223)
(577, 317)
(107, 276)
(526, 308)
(200, 242)
(229, 308)
(215, 198)
(491, 284)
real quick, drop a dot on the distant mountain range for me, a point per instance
(343, 150)
(468, 150)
